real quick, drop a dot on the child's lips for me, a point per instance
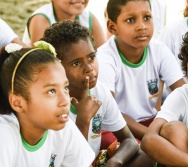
(142, 37)
(93, 79)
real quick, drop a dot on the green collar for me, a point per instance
(31, 148)
(126, 62)
(72, 108)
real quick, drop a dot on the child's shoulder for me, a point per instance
(100, 90)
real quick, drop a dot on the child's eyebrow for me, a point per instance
(54, 84)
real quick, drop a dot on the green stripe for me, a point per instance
(126, 62)
(90, 21)
(31, 148)
(32, 17)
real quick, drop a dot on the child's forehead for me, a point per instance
(133, 6)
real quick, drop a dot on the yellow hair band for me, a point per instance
(42, 45)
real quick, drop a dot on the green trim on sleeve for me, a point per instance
(31, 148)
(90, 21)
(126, 62)
(32, 17)
(77, 18)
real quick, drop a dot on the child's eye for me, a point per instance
(147, 18)
(76, 64)
(51, 92)
(66, 88)
(92, 57)
(130, 20)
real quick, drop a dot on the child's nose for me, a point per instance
(64, 99)
(141, 26)
(88, 68)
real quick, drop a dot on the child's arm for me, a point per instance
(137, 129)
(160, 149)
(177, 84)
(36, 28)
(86, 108)
(127, 149)
(98, 32)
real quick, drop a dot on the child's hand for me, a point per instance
(87, 107)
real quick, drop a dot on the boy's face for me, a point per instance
(80, 62)
(134, 26)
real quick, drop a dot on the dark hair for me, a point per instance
(63, 34)
(31, 65)
(183, 55)
(114, 8)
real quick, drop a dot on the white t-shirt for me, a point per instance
(47, 11)
(175, 107)
(63, 148)
(172, 35)
(159, 9)
(6, 34)
(108, 117)
(136, 85)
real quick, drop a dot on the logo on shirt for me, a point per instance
(153, 88)
(96, 125)
(52, 159)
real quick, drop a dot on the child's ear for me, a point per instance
(16, 102)
(111, 27)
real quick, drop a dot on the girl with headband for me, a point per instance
(34, 108)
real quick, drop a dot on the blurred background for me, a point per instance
(16, 12)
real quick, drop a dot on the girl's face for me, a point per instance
(49, 101)
(70, 7)
(134, 27)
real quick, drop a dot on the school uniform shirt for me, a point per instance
(6, 34)
(159, 9)
(136, 86)
(62, 148)
(85, 19)
(108, 117)
(175, 107)
(172, 35)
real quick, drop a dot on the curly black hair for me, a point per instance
(183, 55)
(63, 34)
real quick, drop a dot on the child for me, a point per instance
(173, 32)
(8, 35)
(166, 130)
(57, 11)
(159, 9)
(93, 108)
(131, 64)
(34, 124)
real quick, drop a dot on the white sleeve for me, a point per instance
(170, 71)
(78, 152)
(113, 119)
(167, 36)
(7, 147)
(6, 34)
(107, 70)
(174, 107)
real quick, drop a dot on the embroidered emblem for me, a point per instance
(52, 159)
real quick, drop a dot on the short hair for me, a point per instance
(183, 55)
(63, 34)
(114, 8)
